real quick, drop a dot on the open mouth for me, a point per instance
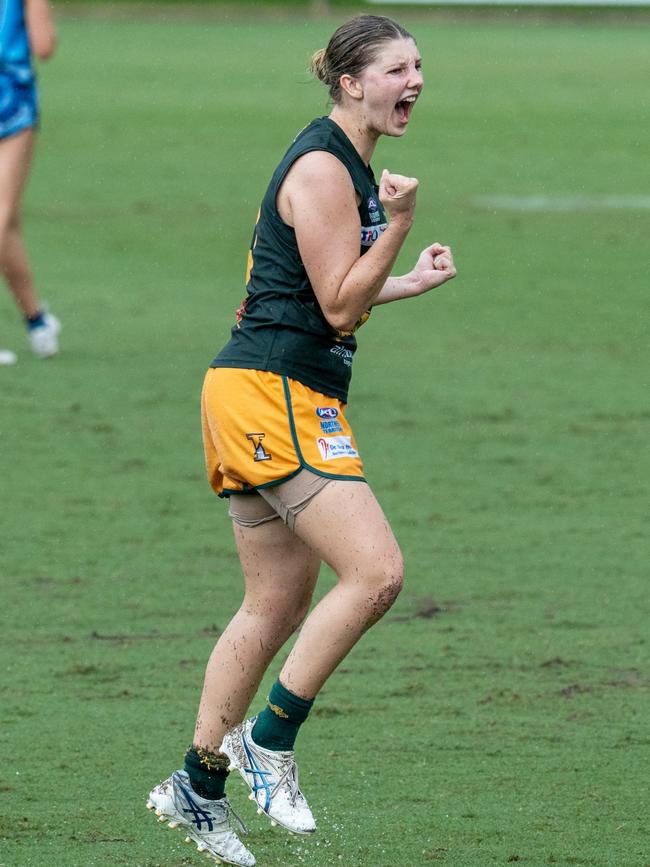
(404, 108)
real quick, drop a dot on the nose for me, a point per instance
(416, 79)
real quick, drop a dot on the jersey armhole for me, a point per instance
(281, 178)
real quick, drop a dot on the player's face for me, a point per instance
(391, 84)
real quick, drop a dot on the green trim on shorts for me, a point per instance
(278, 481)
(253, 489)
(303, 465)
(294, 436)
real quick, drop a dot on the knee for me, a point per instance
(9, 228)
(387, 584)
(390, 590)
(9, 219)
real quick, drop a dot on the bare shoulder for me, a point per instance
(321, 166)
(317, 178)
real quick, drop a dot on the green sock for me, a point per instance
(277, 725)
(207, 771)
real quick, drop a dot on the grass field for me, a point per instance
(499, 713)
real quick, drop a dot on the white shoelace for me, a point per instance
(290, 777)
(231, 813)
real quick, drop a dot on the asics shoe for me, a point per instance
(7, 356)
(206, 823)
(44, 339)
(272, 777)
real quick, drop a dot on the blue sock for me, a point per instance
(35, 321)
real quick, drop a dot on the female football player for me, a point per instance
(279, 446)
(26, 27)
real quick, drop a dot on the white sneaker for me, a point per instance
(8, 357)
(272, 777)
(206, 823)
(44, 339)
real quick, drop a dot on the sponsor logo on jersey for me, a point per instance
(326, 411)
(344, 354)
(369, 234)
(330, 427)
(373, 210)
(332, 448)
(259, 452)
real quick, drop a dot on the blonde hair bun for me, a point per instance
(318, 65)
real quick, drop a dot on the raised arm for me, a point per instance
(318, 199)
(40, 27)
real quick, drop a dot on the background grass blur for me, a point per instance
(499, 713)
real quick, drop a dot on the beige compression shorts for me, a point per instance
(284, 501)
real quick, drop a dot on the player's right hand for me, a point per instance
(397, 194)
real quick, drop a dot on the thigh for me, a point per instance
(280, 569)
(345, 525)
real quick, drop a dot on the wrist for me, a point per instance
(411, 284)
(401, 222)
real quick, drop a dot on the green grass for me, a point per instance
(498, 714)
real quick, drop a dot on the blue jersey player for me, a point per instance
(26, 29)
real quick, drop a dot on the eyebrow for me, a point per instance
(403, 62)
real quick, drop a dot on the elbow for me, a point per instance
(43, 43)
(44, 53)
(341, 320)
(46, 49)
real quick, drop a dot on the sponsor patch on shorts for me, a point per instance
(326, 411)
(336, 447)
(331, 426)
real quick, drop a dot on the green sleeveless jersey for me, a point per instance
(280, 326)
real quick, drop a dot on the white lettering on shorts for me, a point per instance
(332, 448)
(331, 427)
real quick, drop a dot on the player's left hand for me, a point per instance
(434, 267)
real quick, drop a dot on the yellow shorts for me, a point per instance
(260, 428)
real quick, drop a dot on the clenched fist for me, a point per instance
(397, 193)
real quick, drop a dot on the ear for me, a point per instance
(351, 86)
